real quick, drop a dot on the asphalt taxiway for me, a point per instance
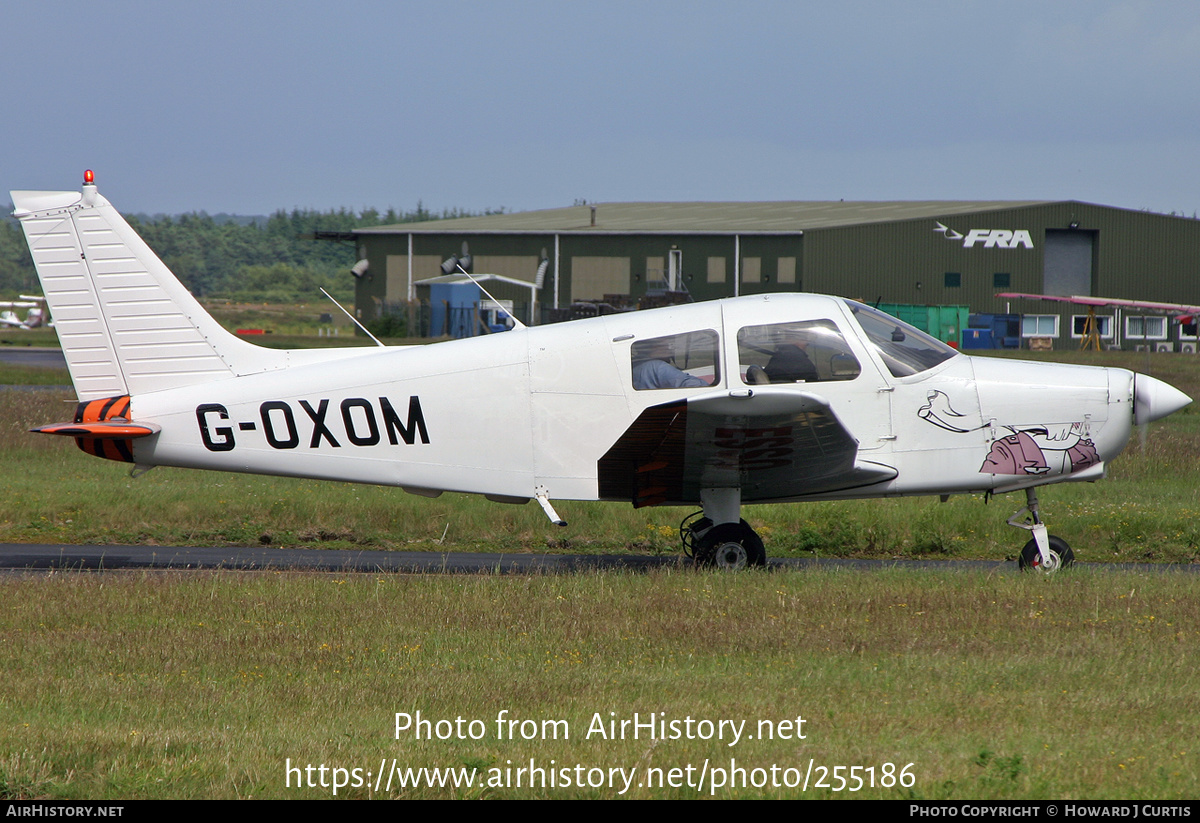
(42, 357)
(30, 557)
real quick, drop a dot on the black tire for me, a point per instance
(730, 546)
(1031, 558)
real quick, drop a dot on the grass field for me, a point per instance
(207, 685)
(990, 686)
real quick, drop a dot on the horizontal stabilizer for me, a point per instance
(104, 430)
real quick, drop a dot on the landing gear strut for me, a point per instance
(1045, 552)
(727, 544)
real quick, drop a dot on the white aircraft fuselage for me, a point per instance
(538, 407)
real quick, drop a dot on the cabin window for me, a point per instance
(677, 361)
(798, 352)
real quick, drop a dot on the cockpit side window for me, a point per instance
(805, 351)
(677, 361)
(904, 349)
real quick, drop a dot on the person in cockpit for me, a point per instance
(790, 363)
(653, 369)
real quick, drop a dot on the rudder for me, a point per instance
(125, 323)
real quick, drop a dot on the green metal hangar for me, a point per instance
(908, 252)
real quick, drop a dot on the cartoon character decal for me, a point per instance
(1040, 448)
(938, 411)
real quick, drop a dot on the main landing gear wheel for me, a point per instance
(1061, 556)
(730, 546)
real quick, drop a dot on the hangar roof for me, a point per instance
(704, 218)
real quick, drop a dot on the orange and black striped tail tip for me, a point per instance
(102, 428)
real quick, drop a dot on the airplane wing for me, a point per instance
(1084, 300)
(773, 444)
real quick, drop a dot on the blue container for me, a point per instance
(977, 339)
(453, 308)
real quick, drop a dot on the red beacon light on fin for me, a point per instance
(89, 188)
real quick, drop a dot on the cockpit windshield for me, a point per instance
(905, 350)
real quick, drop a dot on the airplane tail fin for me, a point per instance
(126, 324)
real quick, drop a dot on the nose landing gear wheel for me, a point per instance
(1061, 556)
(731, 547)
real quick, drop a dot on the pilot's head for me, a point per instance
(658, 349)
(800, 338)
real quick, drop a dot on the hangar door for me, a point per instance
(1067, 262)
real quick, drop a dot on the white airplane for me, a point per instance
(765, 398)
(34, 318)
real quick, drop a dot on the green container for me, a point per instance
(946, 323)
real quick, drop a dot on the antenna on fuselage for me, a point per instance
(353, 319)
(516, 323)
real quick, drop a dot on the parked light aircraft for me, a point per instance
(757, 399)
(34, 318)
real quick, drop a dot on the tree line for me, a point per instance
(260, 259)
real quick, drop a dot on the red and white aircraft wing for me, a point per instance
(1183, 309)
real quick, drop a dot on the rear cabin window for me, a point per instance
(678, 361)
(807, 351)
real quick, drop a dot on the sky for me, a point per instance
(249, 107)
